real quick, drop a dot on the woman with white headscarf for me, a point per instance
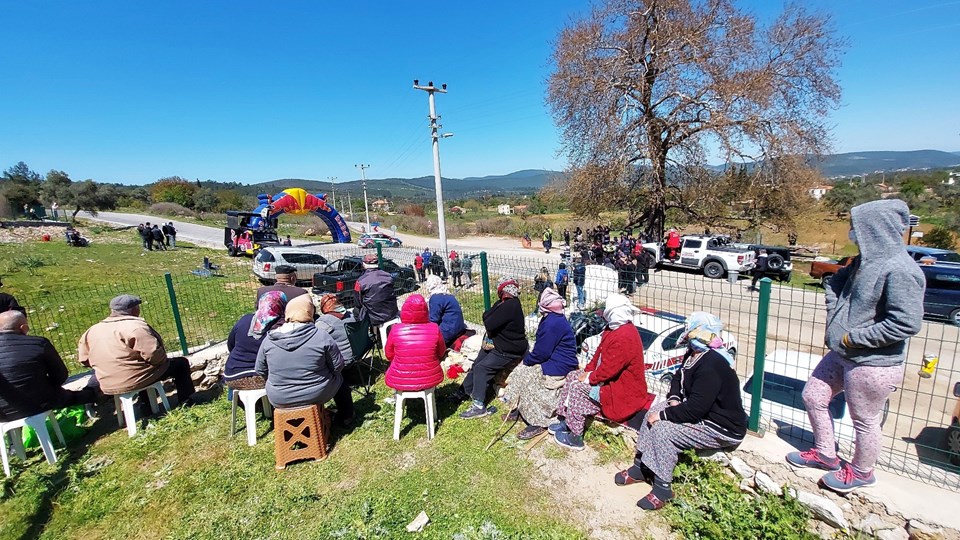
(703, 411)
(445, 310)
(612, 384)
(535, 384)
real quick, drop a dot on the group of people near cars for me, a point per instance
(160, 237)
(297, 348)
(429, 263)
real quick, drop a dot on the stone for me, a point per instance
(765, 484)
(897, 533)
(746, 486)
(919, 530)
(741, 468)
(197, 376)
(873, 524)
(418, 522)
(720, 457)
(823, 509)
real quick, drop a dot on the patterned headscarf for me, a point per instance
(329, 304)
(703, 333)
(551, 302)
(435, 286)
(270, 309)
(508, 287)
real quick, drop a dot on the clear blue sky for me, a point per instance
(253, 91)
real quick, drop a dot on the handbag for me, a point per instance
(487, 344)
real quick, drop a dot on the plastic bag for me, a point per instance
(71, 420)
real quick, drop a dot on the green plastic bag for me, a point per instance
(71, 420)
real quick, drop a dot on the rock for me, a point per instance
(418, 522)
(873, 524)
(897, 533)
(823, 509)
(765, 484)
(919, 530)
(746, 486)
(720, 457)
(197, 376)
(197, 362)
(741, 468)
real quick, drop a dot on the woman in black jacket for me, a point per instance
(504, 346)
(703, 411)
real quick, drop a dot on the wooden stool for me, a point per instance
(307, 427)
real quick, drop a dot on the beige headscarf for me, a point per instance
(435, 286)
(300, 310)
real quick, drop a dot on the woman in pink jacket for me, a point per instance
(414, 348)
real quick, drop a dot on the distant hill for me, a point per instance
(868, 162)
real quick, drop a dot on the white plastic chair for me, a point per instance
(430, 404)
(126, 415)
(39, 424)
(249, 399)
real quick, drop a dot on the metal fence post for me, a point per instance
(485, 279)
(379, 255)
(176, 313)
(760, 352)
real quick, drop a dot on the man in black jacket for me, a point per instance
(31, 372)
(374, 294)
(759, 269)
(157, 235)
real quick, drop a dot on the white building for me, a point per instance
(817, 192)
(504, 210)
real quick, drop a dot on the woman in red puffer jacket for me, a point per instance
(414, 348)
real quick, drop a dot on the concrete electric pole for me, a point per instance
(363, 177)
(333, 191)
(434, 131)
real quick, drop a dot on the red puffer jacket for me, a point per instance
(414, 348)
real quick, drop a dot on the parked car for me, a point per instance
(779, 264)
(951, 441)
(340, 276)
(938, 255)
(713, 255)
(942, 296)
(824, 270)
(305, 261)
(372, 239)
(785, 373)
(659, 333)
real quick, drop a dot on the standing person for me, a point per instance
(468, 269)
(566, 236)
(445, 311)
(53, 208)
(534, 386)
(439, 267)
(874, 305)
(146, 235)
(245, 338)
(426, 260)
(504, 345)
(759, 269)
(579, 280)
(456, 270)
(173, 235)
(547, 239)
(157, 235)
(418, 267)
(165, 229)
(644, 263)
(626, 274)
(374, 295)
(673, 244)
(127, 354)
(562, 279)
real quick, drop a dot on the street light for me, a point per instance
(430, 89)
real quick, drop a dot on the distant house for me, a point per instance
(520, 209)
(458, 210)
(381, 205)
(504, 209)
(817, 192)
(952, 179)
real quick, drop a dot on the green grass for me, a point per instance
(184, 478)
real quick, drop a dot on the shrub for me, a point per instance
(413, 210)
(30, 263)
(171, 209)
(940, 237)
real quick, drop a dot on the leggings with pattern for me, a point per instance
(865, 388)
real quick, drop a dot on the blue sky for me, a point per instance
(253, 91)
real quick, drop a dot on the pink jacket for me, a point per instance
(414, 348)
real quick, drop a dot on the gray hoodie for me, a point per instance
(301, 365)
(877, 301)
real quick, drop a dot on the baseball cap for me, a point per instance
(124, 303)
(285, 269)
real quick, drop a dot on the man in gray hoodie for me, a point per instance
(874, 306)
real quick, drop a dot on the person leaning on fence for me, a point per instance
(126, 354)
(245, 338)
(533, 387)
(286, 282)
(334, 319)
(374, 295)
(504, 346)
(32, 372)
(874, 305)
(612, 384)
(445, 311)
(302, 365)
(702, 411)
(414, 348)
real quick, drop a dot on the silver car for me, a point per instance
(305, 262)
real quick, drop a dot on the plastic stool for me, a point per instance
(307, 427)
(429, 403)
(126, 415)
(39, 424)
(249, 399)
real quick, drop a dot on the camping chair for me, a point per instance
(362, 344)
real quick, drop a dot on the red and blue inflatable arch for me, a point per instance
(297, 201)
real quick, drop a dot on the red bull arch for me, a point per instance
(297, 201)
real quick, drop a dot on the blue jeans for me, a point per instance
(581, 295)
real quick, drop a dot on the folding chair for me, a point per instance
(362, 344)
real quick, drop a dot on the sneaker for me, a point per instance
(558, 426)
(846, 480)
(813, 459)
(531, 432)
(476, 411)
(569, 440)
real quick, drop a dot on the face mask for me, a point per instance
(853, 237)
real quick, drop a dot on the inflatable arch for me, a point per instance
(297, 201)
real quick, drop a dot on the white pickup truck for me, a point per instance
(711, 254)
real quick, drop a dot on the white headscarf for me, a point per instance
(436, 286)
(618, 311)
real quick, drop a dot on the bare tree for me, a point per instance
(645, 90)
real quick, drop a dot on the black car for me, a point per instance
(340, 276)
(779, 265)
(941, 299)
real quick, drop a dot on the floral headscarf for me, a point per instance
(704, 333)
(270, 309)
(508, 288)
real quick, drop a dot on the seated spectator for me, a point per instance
(31, 372)
(374, 294)
(445, 311)
(612, 384)
(302, 365)
(334, 319)
(703, 411)
(245, 339)
(286, 283)
(504, 346)
(534, 386)
(126, 354)
(414, 348)
(9, 302)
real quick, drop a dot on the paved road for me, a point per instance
(200, 235)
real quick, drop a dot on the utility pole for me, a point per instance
(434, 133)
(333, 191)
(363, 176)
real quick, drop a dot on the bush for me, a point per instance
(413, 210)
(171, 209)
(940, 237)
